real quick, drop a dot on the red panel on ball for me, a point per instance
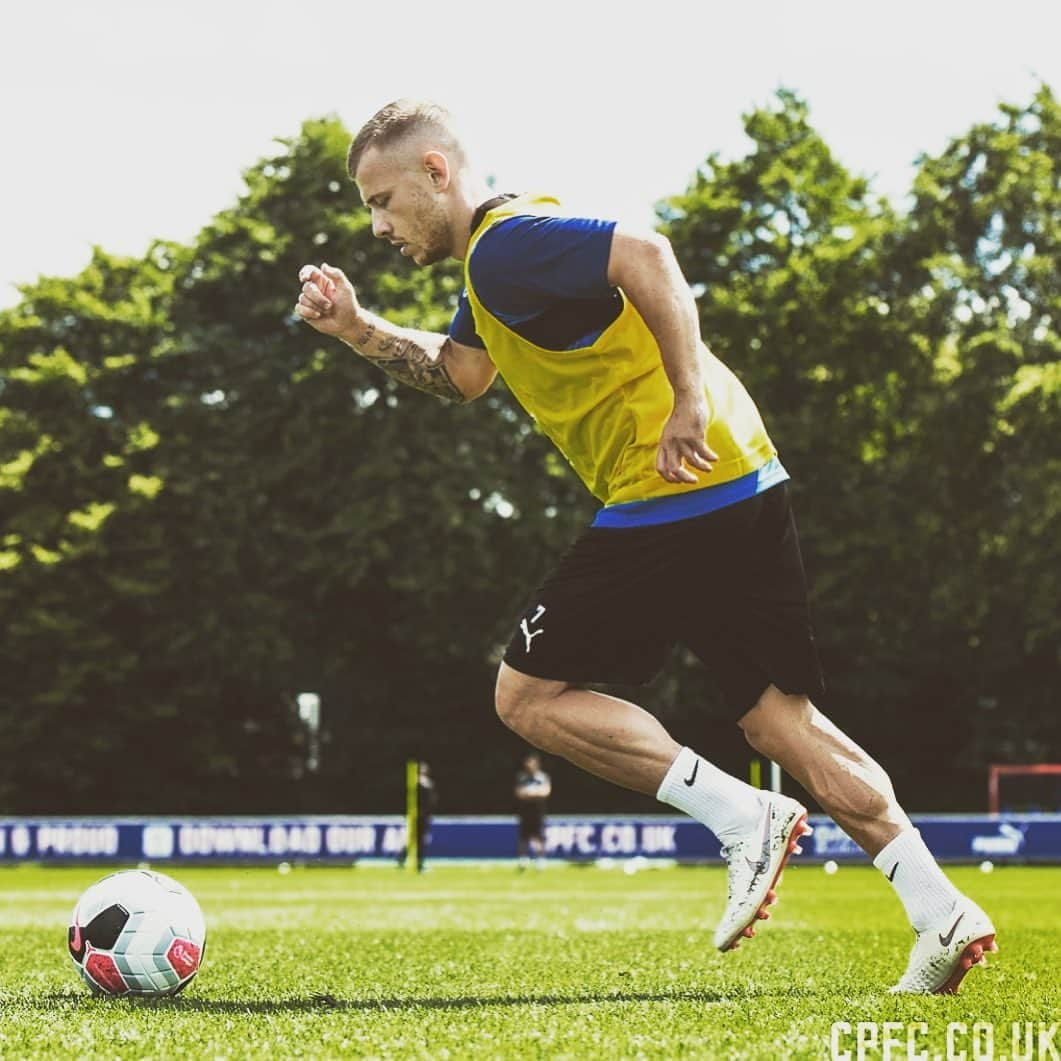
(102, 969)
(184, 957)
(75, 940)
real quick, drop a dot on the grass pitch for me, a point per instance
(484, 962)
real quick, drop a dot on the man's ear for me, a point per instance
(437, 167)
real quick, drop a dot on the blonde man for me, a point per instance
(596, 334)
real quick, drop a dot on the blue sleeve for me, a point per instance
(462, 327)
(525, 264)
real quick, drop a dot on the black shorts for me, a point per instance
(728, 585)
(531, 822)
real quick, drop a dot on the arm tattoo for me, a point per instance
(406, 359)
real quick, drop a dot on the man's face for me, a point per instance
(407, 207)
(532, 763)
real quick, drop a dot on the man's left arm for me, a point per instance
(645, 267)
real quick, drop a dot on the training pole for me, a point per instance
(412, 854)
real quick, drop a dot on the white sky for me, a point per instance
(126, 120)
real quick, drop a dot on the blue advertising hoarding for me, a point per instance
(952, 838)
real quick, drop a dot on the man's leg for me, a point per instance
(622, 743)
(857, 794)
(851, 788)
(611, 738)
(537, 848)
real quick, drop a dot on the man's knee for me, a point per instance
(508, 698)
(776, 715)
(518, 698)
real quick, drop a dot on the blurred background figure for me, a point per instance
(533, 788)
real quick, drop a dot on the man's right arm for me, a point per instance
(428, 361)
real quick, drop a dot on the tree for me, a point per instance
(862, 335)
(208, 508)
(985, 241)
(283, 517)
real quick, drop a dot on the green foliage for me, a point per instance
(206, 507)
(211, 508)
(891, 355)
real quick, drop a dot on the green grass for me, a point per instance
(482, 962)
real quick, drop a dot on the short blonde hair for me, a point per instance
(395, 122)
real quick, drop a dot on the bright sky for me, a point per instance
(126, 120)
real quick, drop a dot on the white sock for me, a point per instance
(727, 806)
(923, 889)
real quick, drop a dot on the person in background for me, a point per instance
(533, 788)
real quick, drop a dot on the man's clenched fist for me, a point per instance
(327, 300)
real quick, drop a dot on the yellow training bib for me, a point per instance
(604, 405)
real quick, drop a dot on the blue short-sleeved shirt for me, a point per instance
(544, 277)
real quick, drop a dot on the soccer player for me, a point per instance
(533, 788)
(595, 331)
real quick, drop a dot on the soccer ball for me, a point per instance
(137, 933)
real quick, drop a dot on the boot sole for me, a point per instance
(972, 954)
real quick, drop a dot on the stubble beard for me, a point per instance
(435, 243)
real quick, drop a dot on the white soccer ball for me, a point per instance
(830, 867)
(137, 932)
(987, 866)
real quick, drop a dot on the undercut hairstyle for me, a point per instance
(399, 120)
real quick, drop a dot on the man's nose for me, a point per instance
(380, 226)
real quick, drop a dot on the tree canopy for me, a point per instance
(207, 508)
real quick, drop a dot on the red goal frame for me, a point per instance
(997, 770)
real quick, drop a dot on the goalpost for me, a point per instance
(998, 770)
